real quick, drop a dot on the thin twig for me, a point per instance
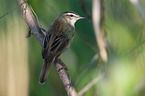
(11, 10)
(36, 16)
(36, 31)
(135, 47)
(88, 65)
(89, 85)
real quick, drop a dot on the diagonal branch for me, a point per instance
(58, 64)
(65, 77)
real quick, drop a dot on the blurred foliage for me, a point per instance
(125, 30)
(14, 73)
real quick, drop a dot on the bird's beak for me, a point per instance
(82, 17)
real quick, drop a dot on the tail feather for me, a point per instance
(45, 71)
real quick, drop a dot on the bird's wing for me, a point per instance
(46, 45)
(53, 45)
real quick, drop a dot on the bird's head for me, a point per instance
(70, 17)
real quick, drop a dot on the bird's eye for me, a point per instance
(71, 15)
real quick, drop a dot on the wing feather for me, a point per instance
(53, 45)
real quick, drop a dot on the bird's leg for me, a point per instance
(57, 59)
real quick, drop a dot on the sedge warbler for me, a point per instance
(58, 38)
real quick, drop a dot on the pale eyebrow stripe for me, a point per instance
(71, 14)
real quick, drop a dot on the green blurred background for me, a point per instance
(21, 61)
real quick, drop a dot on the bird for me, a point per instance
(58, 38)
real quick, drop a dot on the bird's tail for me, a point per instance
(45, 71)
